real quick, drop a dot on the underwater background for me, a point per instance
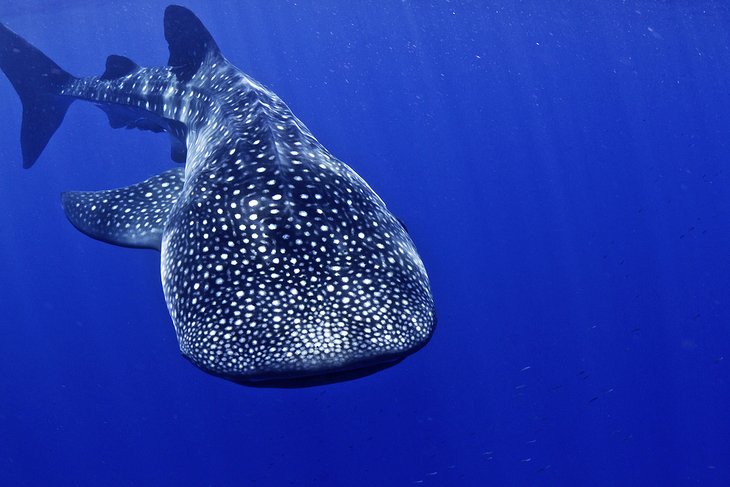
(563, 169)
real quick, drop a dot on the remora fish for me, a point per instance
(280, 265)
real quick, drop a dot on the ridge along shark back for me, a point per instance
(280, 266)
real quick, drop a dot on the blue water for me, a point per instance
(562, 167)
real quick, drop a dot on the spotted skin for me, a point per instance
(278, 261)
(133, 216)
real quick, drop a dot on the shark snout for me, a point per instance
(316, 353)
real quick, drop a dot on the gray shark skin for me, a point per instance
(280, 265)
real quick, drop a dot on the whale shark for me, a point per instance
(280, 266)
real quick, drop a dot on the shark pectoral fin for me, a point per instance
(133, 216)
(189, 41)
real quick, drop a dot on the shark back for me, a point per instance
(306, 269)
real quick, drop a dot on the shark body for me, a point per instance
(280, 265)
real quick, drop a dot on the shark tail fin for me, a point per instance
(190, 42)
(38, 81)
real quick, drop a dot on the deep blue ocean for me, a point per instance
(563, 169)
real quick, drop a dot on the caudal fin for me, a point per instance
(38, 81)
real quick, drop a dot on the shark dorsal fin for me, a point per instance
(118, 66)
(189, 41)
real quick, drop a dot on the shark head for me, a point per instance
(270, 282)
